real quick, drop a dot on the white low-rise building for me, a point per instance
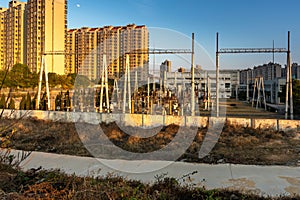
(205, 81)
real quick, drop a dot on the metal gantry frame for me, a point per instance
(42, 69)
(104, 85)
(156, 51)
(259, 85)
(289, 92)
(127, 71)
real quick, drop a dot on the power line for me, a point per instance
(253, 50)
(139, 51)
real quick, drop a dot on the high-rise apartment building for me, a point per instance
(33, 29)
(2, 38)
(86, 40)
(109, 44)
(70, 57)
(296, 71)
(85, 48)
(135, 39)
(14, 32)
(268, 71)
(46, 30)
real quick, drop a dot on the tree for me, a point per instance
(53, 79)
(81, 81)
(28, 105)
(34, 77)
(20, 76)
(33, 102)
(11, 104)
(44, 102)
(67, 100)
(2, 102)
(242, 95)
(296, 95)
(58, 103)
(23, 103)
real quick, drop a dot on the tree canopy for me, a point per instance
(21, 77)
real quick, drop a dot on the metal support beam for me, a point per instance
(247, 82)
(42, 69)
(217, 75)
(287, 85)
(162, 51)
(253, 50)
(104, 84)
(193, 77)
(127, 84)
(139, 51)
(290, 76)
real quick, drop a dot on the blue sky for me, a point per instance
(240, 23)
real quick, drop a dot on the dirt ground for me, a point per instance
(236, 145)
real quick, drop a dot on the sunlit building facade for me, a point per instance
(70, 57)
(85, 48)
(30, 30)
(14, 42)
(46, 31)
(2, 38)
(86, 40)
(134, 40)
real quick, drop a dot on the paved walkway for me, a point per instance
(263, 180)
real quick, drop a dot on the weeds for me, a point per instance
(41, 184)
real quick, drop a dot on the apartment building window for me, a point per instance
(227, 85)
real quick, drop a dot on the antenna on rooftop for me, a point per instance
(273, 52)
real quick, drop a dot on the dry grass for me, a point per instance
(236, 145)
(243, 145)
(36, 184)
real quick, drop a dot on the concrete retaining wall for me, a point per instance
(153, 120)
(265, 123)
(245, 122)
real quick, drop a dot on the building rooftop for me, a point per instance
(107, 27)
(72, 30)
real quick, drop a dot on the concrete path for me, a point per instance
(262, 180)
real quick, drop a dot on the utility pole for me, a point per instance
(43, 67)
(205, 90)
(116, 87)
(273, 52)
(165, 81)
(193, 77)
(247, 85)
(183, 88)
(136, 86)
(175, 82)
(217, 74)
(289, 83)
(290, 77)
(127, 83)
(287, 91)
(148, 93)
(104, 84)
(208, 95)
(254, 88)
(154, 75)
